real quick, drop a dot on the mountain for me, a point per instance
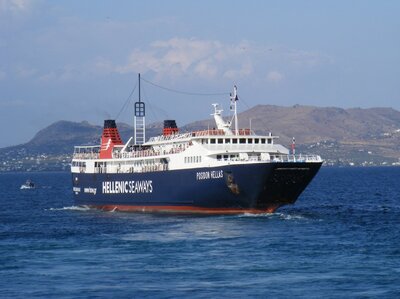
(340, 136)
(311, 124)
(61, 137)
(52, 147)
(375, 131)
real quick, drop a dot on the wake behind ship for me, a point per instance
(224, 170)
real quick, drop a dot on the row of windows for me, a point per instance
(239, 140)
(227, 157)
(129, 163)
(78, 164)
(194, 159)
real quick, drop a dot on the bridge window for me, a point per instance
(220, 141)
(219, 157)
(212, 141)
(81, 164)
(263, 140)
(269, 140)
(249, 141)
(256, 141)
(234, 140)
(242, 140)
(227, 141)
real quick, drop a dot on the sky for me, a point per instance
(79, 60)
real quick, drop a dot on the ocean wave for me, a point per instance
(256, 215)
(71, 208)
(283, 216)
(291, 217)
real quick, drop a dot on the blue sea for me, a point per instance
(340, 240)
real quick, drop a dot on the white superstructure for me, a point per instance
(206, 148)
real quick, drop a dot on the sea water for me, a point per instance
(340, 240)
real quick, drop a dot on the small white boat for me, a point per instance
(28, 185)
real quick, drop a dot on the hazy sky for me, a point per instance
(78, 60)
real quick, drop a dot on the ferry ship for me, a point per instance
(224, 170)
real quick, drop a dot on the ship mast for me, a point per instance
(234, 99)
(139, 119)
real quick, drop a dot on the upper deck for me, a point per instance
(180, 142)
(211, 141)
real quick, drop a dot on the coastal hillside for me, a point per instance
(312, 124)
(61, 137)
(341, 136)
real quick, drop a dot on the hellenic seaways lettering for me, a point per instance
(112, 187)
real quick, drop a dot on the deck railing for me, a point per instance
(298, 158)
(90, 153)
(209, 132)
(280, 158)
(131, 168)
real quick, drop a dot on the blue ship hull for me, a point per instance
(227, 189)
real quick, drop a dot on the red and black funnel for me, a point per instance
(170, 127)
(109, 138)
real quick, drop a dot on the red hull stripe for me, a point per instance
(182, 209)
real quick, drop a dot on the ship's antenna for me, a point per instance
(294, 149)
(250, 123)
(140, 124)
(234, 99)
